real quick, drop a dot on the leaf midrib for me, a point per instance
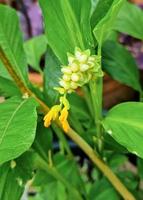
(9, 121)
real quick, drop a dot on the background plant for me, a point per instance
(26, 147)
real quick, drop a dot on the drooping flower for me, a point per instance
(58, 112)
(63, 119)
(52, 115)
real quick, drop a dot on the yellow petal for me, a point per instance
(66, 126)
(47, 115)
(64, 114)
(47, 123)
(52, 115)
(47, 119)
(63, 119)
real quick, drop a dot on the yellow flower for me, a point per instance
(52, 115)
(63, 119)
(64, 114)
(65, 102)
(66, 126)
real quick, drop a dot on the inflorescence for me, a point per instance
(82, 67)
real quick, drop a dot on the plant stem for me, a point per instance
(96, 96)
(73, 135)
(88, 99)
(21, 85)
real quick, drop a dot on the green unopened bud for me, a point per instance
(91, 59)
(82, 58)
(74, 67)
(66, 77)
(91, 64)
(78, 53)
(61, 90)
(74, 77)
(73, 85)
(84, 67)
(71, 59)
(64, 84)
(70, 91)
(66, 70)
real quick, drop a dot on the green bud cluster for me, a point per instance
(81, 68)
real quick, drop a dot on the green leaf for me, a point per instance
(105, 25)
(67, 25)
(78, 107)
(101, 9)
(11, 41)
(124, 124)
(116, 161)
(43, 140)
(54, 190)
(120, 64)
(9, 185)
(52, 74)
(3, 72)
(37, 197)
(112, 145)
(8, 88)
(130, 180)
(42, 178)
(34, 49)
(69, 170)
(18, 120)
(14, 175)
(140, 167)
(129, 20)
(102, 190)
(62, 167)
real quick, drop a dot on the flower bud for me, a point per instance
(73, 85)
(84, 67)
(70, 91)
(64, 84)
(74, 77)
(91, 64)
(91, 59)
(67, 86)
(71, 59)
(66, 70)
(74, 67)
(78, 54)
(82, 58)
(66, 77)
